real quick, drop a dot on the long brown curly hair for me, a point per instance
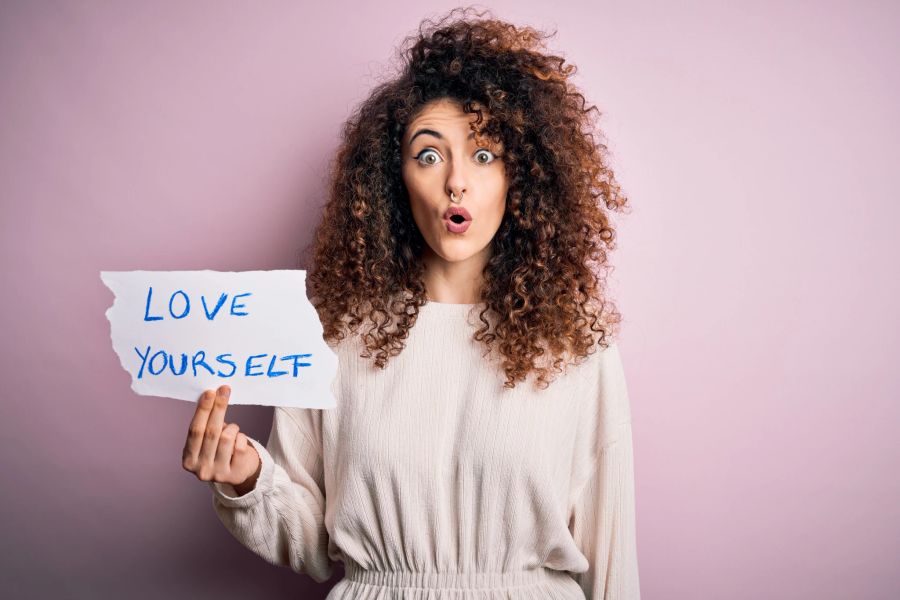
(544, 285)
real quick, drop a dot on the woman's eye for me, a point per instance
(487, 154)
(423, 157)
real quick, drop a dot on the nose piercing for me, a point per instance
(453, 197)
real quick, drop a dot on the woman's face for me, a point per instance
(440, 155)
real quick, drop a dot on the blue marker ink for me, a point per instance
(221, 358)
(143, 360)
(153, 358)
(234, 306)
(297, 365)
(247, 372)
(183, 364)
(197, 359)
(187, 305)
(270, 372)
(215, 311)
(147, 316)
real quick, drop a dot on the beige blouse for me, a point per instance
(431, 480)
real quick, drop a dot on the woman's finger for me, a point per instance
(224, 452)
(214, 427)
(196, 430)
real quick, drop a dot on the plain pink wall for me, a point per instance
(758, 142)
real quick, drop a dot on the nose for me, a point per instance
(456, 182)
(456, 197)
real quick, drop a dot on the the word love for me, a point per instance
(179, 305)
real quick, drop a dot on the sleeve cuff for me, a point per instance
(225, 493)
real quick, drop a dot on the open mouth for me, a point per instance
(457, 219)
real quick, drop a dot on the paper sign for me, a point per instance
(181, 332)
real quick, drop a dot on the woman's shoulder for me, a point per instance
(605, 390)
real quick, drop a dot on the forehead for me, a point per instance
(443, 115)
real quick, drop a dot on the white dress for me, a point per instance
(430, 480)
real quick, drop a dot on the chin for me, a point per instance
(458, 254)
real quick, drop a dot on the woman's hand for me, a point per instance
(216, 451)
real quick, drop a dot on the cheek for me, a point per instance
(417, 186)
(498, 195)
(418, 203)
(413, 190)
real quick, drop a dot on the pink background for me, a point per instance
(758, 272)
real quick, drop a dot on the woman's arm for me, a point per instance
(603, 524)
(281, 518)
(602, 517)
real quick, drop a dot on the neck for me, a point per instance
(456, 282)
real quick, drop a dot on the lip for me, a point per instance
(457, 227)
(457, 210)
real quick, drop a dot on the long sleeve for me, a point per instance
(282, 518)
(602, 512)
(603, 524)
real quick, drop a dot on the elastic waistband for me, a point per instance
(450, 579)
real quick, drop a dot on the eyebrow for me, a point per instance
(436, 134)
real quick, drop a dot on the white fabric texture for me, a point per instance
(430, 480)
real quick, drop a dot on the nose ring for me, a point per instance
(453, 197)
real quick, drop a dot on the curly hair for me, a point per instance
(544, 285)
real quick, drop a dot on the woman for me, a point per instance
(462, 251)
